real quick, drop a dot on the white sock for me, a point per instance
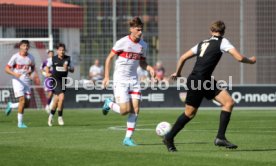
(115, 107)
(14, 105)
(131, 123)
(20, 118)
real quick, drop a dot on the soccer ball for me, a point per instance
(163, 128)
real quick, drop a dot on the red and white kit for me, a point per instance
(21, 65)
(126, 83)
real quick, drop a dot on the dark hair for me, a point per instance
(24, 42)
(218, 26)
(136, 22)
(60, 45)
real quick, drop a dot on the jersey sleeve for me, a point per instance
(225, 45)
(49, 63)
(12, 62)
(118, 47)
(194, 49)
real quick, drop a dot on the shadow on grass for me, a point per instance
(187, 143)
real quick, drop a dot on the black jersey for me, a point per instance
(58, 69)
(208, 56)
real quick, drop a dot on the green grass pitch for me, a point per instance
(90, 139)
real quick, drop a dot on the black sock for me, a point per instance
(179, 124)
(224, 120)
(53, 112)
(60, 112)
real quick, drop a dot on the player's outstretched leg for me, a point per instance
(8, 109)
(129, 142)
(106, 107)
(225, 143)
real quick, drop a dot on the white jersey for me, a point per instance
(22, 65)
(129, 55)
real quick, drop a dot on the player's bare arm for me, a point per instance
(235, 53)
(65, 65)
(10, 72)
(147, 67)
(187, 55)
(47, 71)
(71, 68)
(107, 68)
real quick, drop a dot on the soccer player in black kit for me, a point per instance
(61, 65)
(208, 53)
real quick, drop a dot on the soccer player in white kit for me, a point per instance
(131, 52)
(21, 65)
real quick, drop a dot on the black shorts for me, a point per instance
(199, 88)
(58, 88)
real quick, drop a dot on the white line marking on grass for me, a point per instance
(8, 132)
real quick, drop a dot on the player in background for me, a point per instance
(208, 53)
(20, 66)
(130, 52)
(47, 81)
(61, 65)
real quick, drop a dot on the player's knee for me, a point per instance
(190, 111)
(191, 115)
(230, 103)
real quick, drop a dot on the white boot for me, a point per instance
(50, 121)
(60, 121)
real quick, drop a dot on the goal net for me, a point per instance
(38, 48)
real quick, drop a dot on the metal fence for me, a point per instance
(90, 27)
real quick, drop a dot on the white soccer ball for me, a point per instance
(163, 128)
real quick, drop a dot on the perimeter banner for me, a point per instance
(244, 96)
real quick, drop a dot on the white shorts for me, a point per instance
(123, 92)
(21, 89)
